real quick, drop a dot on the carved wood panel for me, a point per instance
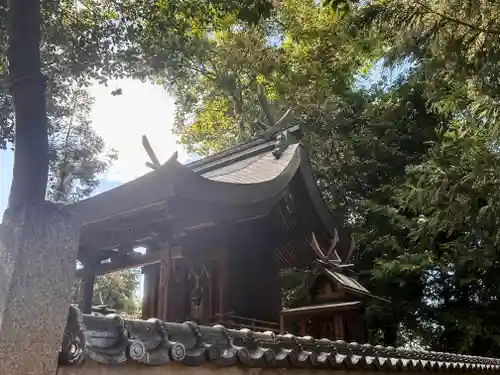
(198, 300)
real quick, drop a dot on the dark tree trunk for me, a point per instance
(31, 161)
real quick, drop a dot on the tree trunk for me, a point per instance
(31, 159)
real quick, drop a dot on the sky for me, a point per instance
(143, 108)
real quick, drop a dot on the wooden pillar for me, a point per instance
(165, 271)
(146, 292)
(338, 323)
(150, 295)
(177, 293)
(222, 276)
(303, 326)
(87, 290)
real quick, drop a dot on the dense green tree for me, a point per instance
(359, 157)
(119, 291)
(370, 149)
(452, 46)
(448, 196)
(454, 232)
(241, 73)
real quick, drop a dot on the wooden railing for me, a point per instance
(230, 320)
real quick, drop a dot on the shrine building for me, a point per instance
(216, 233)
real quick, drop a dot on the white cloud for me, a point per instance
(143, 108)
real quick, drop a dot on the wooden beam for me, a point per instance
(157, 206)
(127, 229)
(132, 261)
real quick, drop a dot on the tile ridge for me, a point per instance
(112, 339)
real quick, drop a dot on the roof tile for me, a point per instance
(114, 340)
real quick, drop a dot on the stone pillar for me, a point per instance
(38, 249)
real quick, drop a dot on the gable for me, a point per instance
(324, 289)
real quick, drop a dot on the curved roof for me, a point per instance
(245, 176)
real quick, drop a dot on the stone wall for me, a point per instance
(94, 368)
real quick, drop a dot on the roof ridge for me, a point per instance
(265, 137)
(114, 340)
(227, 152)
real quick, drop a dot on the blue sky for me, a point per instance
(121, 121)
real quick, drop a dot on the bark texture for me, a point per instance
(31, 159)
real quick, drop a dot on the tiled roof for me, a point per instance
(347, 282)
(231, 156)
(250, 175)
(257, 168)
(114, 340)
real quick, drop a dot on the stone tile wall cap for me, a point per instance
(114, 340)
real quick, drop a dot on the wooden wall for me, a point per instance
(253, 287)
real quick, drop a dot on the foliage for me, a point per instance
(118, 290)
(93, 41)
(453, 46)
(359, 158)
(78, 155)
(411, 165)
(218, 97)
(293, 283)
(455, 240)
(446, 201)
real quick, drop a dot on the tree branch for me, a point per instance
(454, 20)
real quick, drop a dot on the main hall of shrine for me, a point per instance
(217, 233)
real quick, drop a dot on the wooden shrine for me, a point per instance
(331, 304)
(216, 233)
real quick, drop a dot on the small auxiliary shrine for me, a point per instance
(331, 303)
